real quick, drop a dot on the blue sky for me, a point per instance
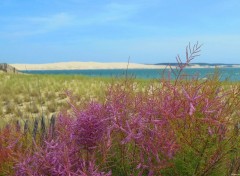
(149, 31)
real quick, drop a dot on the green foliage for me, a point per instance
(32, 94)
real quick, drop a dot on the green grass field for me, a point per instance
(200, 117)
(28, 96)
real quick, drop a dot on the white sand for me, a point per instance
(96, 65)
(84, 66)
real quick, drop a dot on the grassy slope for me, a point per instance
(26, 96)
(29, 96)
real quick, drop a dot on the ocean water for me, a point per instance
(232, 74)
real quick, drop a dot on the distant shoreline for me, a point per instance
(99, 65)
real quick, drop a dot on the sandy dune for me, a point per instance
(97, 65)
(83, 66)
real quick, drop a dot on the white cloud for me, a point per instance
(27, 26)
(56, 20)
(111, 13)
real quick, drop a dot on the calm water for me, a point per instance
(232, 74)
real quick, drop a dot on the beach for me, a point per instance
(98, 65)
(84, 66)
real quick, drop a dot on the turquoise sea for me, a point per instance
(232, 74)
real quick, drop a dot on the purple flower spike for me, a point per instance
(90, 127)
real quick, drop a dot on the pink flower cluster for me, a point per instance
(137, 132)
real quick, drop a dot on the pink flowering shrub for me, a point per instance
(64, 154)
(144, 137)
(184, 126)
(12, 144)
(56, 158)
(90, 127)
